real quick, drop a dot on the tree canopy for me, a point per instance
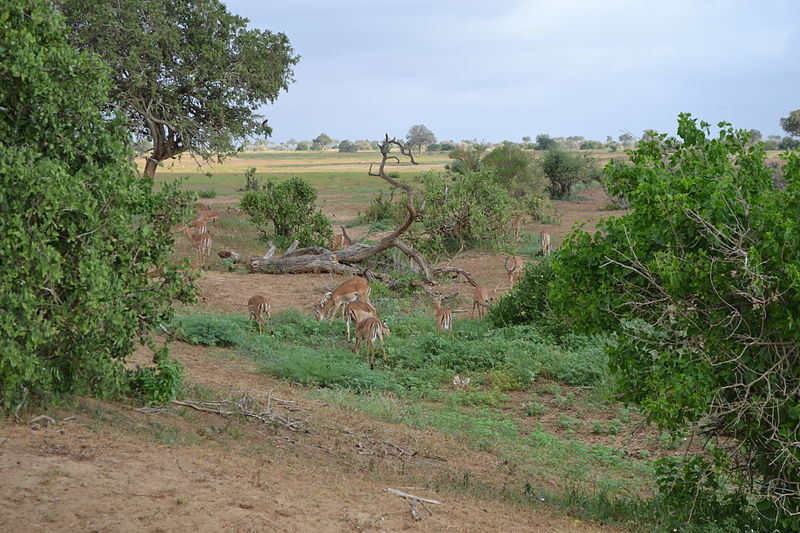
(80, 230)
(188, 74)
(791, 124)
(419, 136)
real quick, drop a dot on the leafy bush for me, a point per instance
(516, 171)
(289, 206)
(347, 146)
(211, 330)
(528, 302)
(564, 170)
(695, 489)
(700, 282)
(461, 208)
(160, 384)
(466, 158)
(383, 209)
(251, 183)
(209, 193)
(80, 229)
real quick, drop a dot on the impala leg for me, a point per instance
(335, 309)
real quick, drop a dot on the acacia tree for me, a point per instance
(80, 231)
(700, 282)
(791, 124)
(420, 136)
(188, 74)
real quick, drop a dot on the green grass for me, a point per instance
(413, 387)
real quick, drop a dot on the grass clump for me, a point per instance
(226, 331)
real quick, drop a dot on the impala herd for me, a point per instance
(352, 296)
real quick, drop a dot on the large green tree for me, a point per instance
(80, 231)
(701, 283)
(188, 73)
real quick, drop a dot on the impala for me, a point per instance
(199, 226)
(515, 272)
(545, 238)
(444, 317)
(202, 245)
(516, 224)
(480, 300)
(351, 290)
(210, 215)
(258, 305)
(355, 312)
(371, 329)
(341, 241)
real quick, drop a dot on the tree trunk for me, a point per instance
(150, 168)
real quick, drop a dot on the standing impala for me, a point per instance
(351, 290)
(480, 300)
(545, 238)
(355, 312)
(444, 317)
(371, 329)
(201, 242)
(515, 272)
(258, 305)
(516, 225)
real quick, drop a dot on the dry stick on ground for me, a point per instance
(457, 271)
(317, 259)
(243, 408)
(412, 501)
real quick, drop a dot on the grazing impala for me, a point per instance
(545, 238)
(444, 317)
(480, 300)
(351, 290)
(515, 272)
(258, 305)
(355, 312)
(371, 329)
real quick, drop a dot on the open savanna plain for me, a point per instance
(292, 432)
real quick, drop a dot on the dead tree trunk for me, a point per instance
(318, 259)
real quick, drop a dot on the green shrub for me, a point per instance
(160, 384)
(564, 170)
(289, 207)
(528, 302)
(211, 330)
(469, 207)
(700, 283)
(208, 193)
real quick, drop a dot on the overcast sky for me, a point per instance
(497, 70)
